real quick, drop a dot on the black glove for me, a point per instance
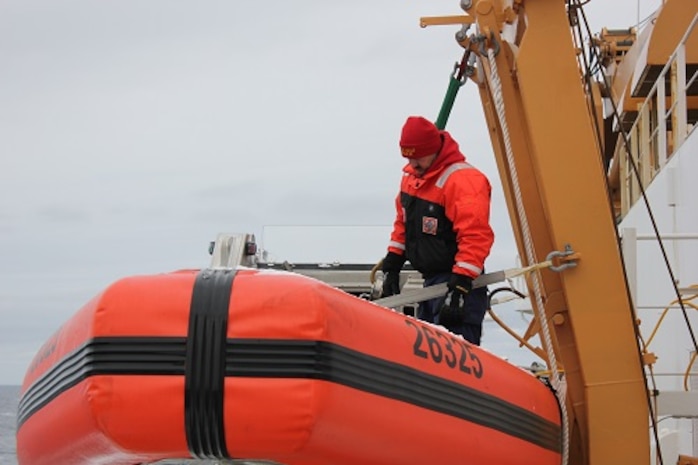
(452, 311)
(391, 283)
(392, 264)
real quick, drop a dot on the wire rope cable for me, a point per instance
(556, 380)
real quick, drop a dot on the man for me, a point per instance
(442, 227)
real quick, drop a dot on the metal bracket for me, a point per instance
(563, 260)
(482, 39)
(445, 20)
(233, 250)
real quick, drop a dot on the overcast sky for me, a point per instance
(133, 132)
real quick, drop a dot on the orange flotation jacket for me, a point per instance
(442, 222)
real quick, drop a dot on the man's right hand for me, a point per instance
(391, 283)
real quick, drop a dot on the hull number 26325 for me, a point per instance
(440, 347)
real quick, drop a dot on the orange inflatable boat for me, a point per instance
(272, 367)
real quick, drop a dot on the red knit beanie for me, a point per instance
(420, 138)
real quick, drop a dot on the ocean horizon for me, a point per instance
(9, 399)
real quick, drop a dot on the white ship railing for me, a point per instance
(652, 143)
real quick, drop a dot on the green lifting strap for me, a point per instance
(454, 84)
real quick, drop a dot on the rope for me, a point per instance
(687, 373)
(557, 382)
(682, 302)
(645, 344)
(522, 342)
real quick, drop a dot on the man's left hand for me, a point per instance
(452, 312)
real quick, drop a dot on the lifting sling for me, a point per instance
(460, 73)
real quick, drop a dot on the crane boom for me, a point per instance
(549, 160)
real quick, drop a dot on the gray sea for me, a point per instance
(9, 396)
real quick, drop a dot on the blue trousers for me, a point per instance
(476, 306)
